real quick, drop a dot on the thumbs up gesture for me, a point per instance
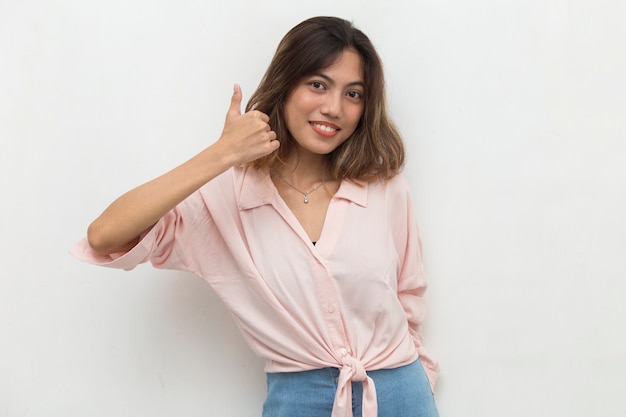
(246, 136)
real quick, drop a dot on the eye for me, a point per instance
(354, 94)
(317, 85)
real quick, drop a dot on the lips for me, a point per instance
(325, 128)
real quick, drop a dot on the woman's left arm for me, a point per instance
(411, 280)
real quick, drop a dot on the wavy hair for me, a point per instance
(375, 149)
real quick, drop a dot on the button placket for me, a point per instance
(327, 295)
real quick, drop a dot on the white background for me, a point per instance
(514, 118)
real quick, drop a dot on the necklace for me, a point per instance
(305, 194)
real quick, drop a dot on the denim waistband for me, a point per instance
(399, 392)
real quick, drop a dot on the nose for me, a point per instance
(332, 105)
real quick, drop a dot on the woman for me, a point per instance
(298, 219)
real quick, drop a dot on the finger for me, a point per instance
(263, 116)
(235, 103)
(259, 115)
(274, 144)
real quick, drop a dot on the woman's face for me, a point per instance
(324, 108)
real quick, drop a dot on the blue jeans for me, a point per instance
(401, 392)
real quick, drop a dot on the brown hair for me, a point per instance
(375, 149)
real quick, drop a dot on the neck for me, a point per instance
(303, 172)
(305, 176)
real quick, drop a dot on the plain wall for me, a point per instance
(514, 114)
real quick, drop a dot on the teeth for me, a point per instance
(324, 127)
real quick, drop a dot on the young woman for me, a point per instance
(298, 218)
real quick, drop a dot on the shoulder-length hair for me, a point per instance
(375, 149)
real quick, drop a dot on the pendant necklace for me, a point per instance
(305, 194)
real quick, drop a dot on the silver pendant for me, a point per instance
(306, 198)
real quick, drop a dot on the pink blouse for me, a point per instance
(353, 301)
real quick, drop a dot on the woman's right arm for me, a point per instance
(245, 137)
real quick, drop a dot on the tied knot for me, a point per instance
(355, 369)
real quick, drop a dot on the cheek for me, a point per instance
(295, 112)
(291, 114)
(355, 115)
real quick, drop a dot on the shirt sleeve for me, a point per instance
(411, 279)
(140, 253)
(166, 244)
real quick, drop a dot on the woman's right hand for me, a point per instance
(247, 136)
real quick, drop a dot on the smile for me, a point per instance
(325, 129)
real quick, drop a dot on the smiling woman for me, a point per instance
(304, 56)
(323, 110)
(337, 322)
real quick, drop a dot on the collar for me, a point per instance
(257, 189)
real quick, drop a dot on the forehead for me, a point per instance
(348, 66)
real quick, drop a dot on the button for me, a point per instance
(343, 352)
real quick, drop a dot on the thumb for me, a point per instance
(235, 103)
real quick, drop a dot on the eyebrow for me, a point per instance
(332, 82)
